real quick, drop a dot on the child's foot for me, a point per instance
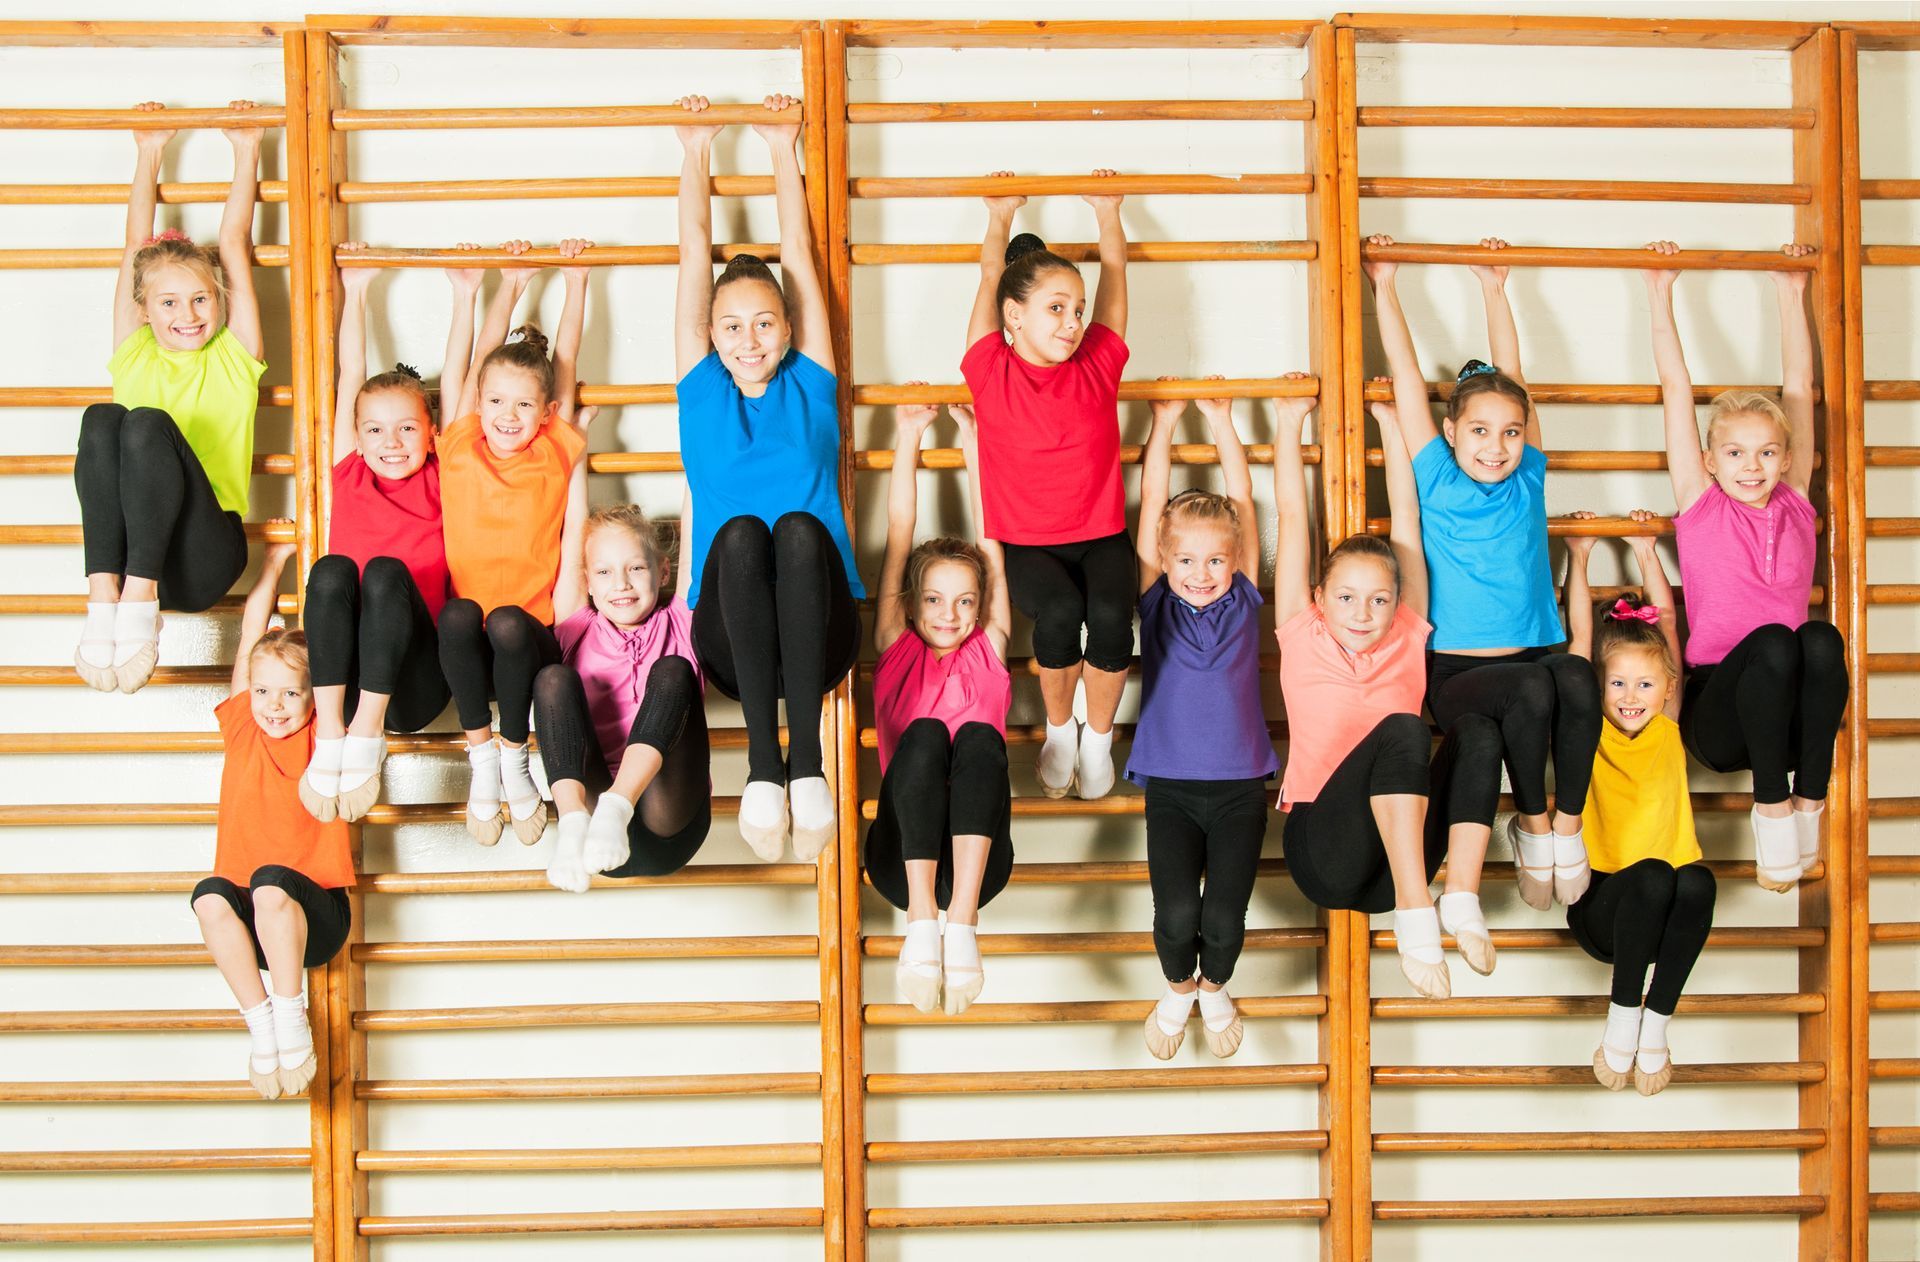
(93, 660)
(263, 1057)
(917, 975)
(1220, 1022)
(1776, 852)
(136, 643)
(320, 783)
(1093, 767)
(1571, 875)
(290, 1030)
(1532, 864)
(568, 869)
(1416, 935)
(606, 845)
(1652, 1062)
(524, 806)
(361, 760)
(961, 977)
(1166, 1026)
(1460, 915)
(763, 818)
(1613, 1059)
(1806, 827)
(483, 793)
(811, 803)
(1057, 758)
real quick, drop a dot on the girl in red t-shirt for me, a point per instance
(1045, 377)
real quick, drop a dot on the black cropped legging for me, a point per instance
(1541, 701)
(1773, 704)
(372, 633)
(494, 658)
(1334, 850)
(1647, 913)
(776, 617)
(1196, 829)
(933, 791)
(674, 813)
(1062, 586)
(148, 511)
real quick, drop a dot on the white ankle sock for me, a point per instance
(135, 623)
(290, 1029)
(1622, 1037)
(1171, 1013)
(1806, 826)
(360, 758)
(921, 946)
(483, 794)
(1570, 851)
(1057, 755)
(323, 769)
(516, 782)
(811, 802)
(1095, 762)
(1532, 850)
(1460, 912)
(1416, 933)
(1776, 845)
(1216, 1008)
(96, 634)
(266, 1045)
(960, 947)
(567, 870)
(1652, 1043)
(606, 837)
(761, 804)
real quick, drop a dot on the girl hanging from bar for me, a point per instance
(1766, 686)
(621, 716)
(374, 599)
(1651, 898)
(1045, 377)
(774, 582)
(514, 498)
(277, 899)
(1483, 520)
(941, 838)
(163, 470)
(1201, 747)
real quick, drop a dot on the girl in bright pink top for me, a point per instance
(940, 838)
(1045, 377)
(1765, 687)
(621, 714)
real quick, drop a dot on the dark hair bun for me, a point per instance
(531, 335)
(1025, 243)
(407, 370)
(745, 262)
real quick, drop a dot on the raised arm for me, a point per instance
(1579, 594)
(1156, 475)
(236, 236)
(459, 357)
(566, 342)
(570, 585)
(257, 613)
(350, 350)
(493, 329)
(1236, 479)
(1110, 296)
(142, 196)
(1410, 408)
(999, 607)
(1403, 503)
(1796, 369)
(1294, 549)
(910, 421)
(799, 270)
(693, 292)
(985, 317)
(1659, 593)
(1685, 468)
(1503, 335)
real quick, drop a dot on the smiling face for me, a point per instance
(1634, 686)
(393, 432)
(1358, 598)
(750, 330)
(947, 607)
(623, 576)
(1198, 560)
(513, 407)
(1746, 455)
(1046, 327)
(181, 305)
(1488, 437)
(282, 699)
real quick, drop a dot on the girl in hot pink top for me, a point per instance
(1765, 687)
(621, 715)
(940, 838)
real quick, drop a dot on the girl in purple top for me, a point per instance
(1201, 747)
(621, 715)
(1765, 687)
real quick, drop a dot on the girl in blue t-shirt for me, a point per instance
(766, 538)
(1482, 484)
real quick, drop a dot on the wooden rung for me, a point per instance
(362, 191)
(1571, 392)
(1891, 593)
(57, 260)
(1576, 116)
(1892, 663)
(257, 531)
(91, 34)
(573, 33)
(1893, 527)
(54, 605)
(99, 882)
(1893, 808)
(878, 395)
(140, 120)
(1582, 1075)
(1589, 1005)
(879, 459)
(1000, 1082)
(547, 256)
(81, 396)
(1596, 1141)
(1600, 1207)
(1893, 865)
(1082, 943)
(237, 1091)
(521, 1016)
(1023, 807)
(1894, 1136)
(635, 462)
(500, 952)
(1078, 1010)
(1905, 391)
(1894, 1001)
(1893, 1202)
(535, 880)
(1563, 939)
(1557, 31)
(1893, 727)
(131, 954)
(660, 1085)
(271, 191)
(883, 1218)
(1590, 256)
(162, 1020)
(555, 116)
(161, 1159)
(1890, 255)
(1074, 185)
(1674, 191)
(1904, 932)
(984, 33)
(607, 396)
(606, 1220)
(1591, 528)
(1893, 457)
(689, 1157)
(879, 254)
(63, 813)
(1894, 1067)
(154, 1233)
(1077, 111)
(1096, 1146)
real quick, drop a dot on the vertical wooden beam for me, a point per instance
(1825, 1036)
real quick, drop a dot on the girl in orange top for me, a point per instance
(513, 498)
(277, 899)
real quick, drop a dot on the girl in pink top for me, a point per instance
(621, 714)
(940, 837)
(1765, 687)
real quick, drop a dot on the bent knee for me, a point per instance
(460, 617)
(1403, 732)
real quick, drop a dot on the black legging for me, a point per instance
(932, 792)
(1647, 913)
(1334, 850)
(148, 511)
(372, 633)
(674, 813)
(1211, 829)
(329, 914)
(1061, 586)
(776, 617)
(1541, 701)
(495, 658)
(1773, 704)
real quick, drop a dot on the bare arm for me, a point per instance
(1685, 468)
(350, 350)
(1659, 593)
(1409, 385)
(1156, 476)
(1796, 370)
(566, 342)
(1579, 594)
(799, 271)
(999, 610)
(1110, 296)
(693, 292)
(1503, 335)
(985, 317)
(236, 236)
(1293, 559)
(142, 196)
(493, 329)
(1236, 479)
(1403, 503)
(570, 586)
(459, 357)
(910, 421)
(258, 612)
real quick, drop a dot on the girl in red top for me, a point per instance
(277, 899)
(1046, 386)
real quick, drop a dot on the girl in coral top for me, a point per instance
(940, 839)
(277, 899)
(513, 497)
(1766, 686)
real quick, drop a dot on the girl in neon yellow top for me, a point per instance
(1651, 898)
(162, 470)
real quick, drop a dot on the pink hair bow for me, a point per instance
(1622, 612)
(171, 234)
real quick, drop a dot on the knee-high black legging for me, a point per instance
(372, 633)
(1196, 829)
(1541, 701)
(494, 658)
(1334, 850)
(1773, 704)
(776, 617)
(148, 511)
(933, 791)
(1061, 586)
(675, 811)
(1647, 913)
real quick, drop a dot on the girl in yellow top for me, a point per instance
(1651, 899)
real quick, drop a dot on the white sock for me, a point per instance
(606, 836)
(135, 623)
(1171, 1013)
(483, 794)
(1532, 850)
(96, 634)
(323, 769)
(1095, 762)
(1570, 851)
(1216, 1008)
(290, 1029)
(1776, 845)
(1622, 1037)
(1806, 826)
(567, 870)
(1461, 913)
(360, 758)
(960, 947)
(1057, 755)
(811, 802)
(921, 946)
(266, 1047)
(1416, 932)
(1652, 1042)
(760, 803)
(516, 782)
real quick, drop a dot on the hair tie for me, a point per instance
(1624, 612)
(407, 369)
(170, 234)
(1473, 368)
